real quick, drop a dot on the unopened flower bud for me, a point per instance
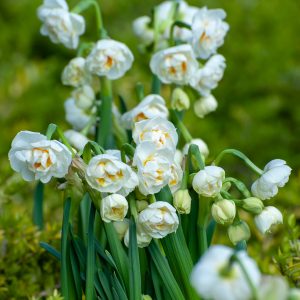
(253, 205)
(223, 211)
(205, 106)
(239, 232)
(121, 227)
(146, 297)
(180, 100)
(182, 201)
(141, 205)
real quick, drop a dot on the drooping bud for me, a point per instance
(223, 211)
(253, 205)
(180, 100)
(239, 232)
(121, 227)
(182, 201)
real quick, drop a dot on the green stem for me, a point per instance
(203, 214)
(182, 128)
(239, 185)
(105, 113)
(240, 155)
(156, 85)
(236, 258)
(85, 4)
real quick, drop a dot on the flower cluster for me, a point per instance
(199, 33)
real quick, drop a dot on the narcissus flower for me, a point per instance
(208, 182)
(113, 208)
(276, 174)
(142, 30)
(150, 107)
(76, 116)
(213, 277)
(267, 218)
(109, 58)
(205, 105)
(157, 130)
(176, 177)
(143, 238)
(154, 167)
(37, 158)
(208, 30)
(174, 65)
(108, 174)
(59, 24)
(201, 145)
(223, 211)
(159, 219)
(207, 78)
(75, 74)
(84, 96)
(76, 139)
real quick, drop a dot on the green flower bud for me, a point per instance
(223, 211)
(141, 205)
(146, 297)
(180, 100)
(253, 205)
(239, 232)
(182, 201)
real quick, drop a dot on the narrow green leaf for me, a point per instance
(51, 250)
(118, 253)
(105, 284)
(76, 273)
(156, 281)
(119, 288)
(134, 263)
(67, 283)
(165, 272)
(210, 231)
(99, 289)
(38, 205)
(90, 267)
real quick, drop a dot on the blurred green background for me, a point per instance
(259, 111)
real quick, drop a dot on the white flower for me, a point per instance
(201, 145)
(113, 208)
(205, 105)
(75, 74)
(207, 78)
(223, 211)
(213, 281)
(267, 218)
(37, 158)
(174, 65)
(180, 100)
(209, 31)
(157, 130)
(176, 177)
(208, 182)
(178, 157)
(108, 174)
(76, 139)
(109, 58)
(159, 219)
(150, 107)
(276, 174)
(143, 238)
(84, 96)
(76, 116)
(142, 30)
(59, 24)
(154, 167)
(274, 288)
